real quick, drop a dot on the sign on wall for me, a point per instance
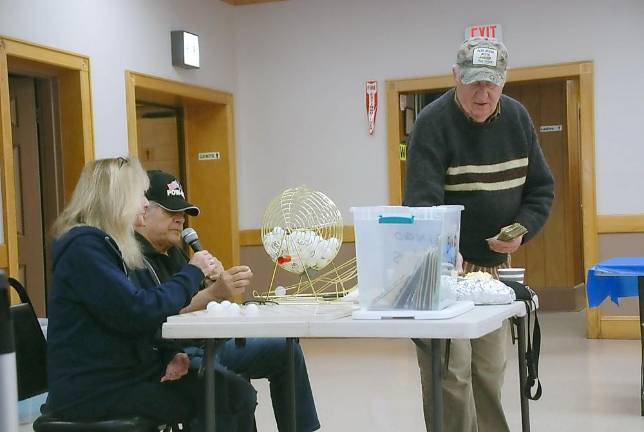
(372, 104)
(484, 30)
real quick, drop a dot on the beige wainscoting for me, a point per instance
(620, 235)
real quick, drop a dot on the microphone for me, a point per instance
(191, 238)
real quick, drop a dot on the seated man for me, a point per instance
(160, 239)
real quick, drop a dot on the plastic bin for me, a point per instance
(406, 256)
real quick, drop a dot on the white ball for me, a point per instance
(213, 307)
(334, 244)
(280, 291)
(234, 309)
(251, 309)
(225, 304)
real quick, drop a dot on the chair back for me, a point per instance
(31, 346)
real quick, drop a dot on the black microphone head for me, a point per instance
(190, 236)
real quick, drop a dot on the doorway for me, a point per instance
(36, 157)
(555, 258)
(159, 133)
(45, 140)
(197, 145)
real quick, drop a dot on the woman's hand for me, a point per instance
(177, 368)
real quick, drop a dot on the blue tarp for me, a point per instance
(614, 278)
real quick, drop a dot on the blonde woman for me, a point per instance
(103, 357)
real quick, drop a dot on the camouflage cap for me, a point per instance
(482, 59)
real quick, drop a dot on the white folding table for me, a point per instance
(316, 324)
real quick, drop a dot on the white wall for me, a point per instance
(302, 67)
(121, 35)
(298, 70)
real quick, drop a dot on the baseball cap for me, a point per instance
(166, 191)
(482, 59)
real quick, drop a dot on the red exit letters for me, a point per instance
(484, 30)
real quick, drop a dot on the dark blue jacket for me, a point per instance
(102, 322)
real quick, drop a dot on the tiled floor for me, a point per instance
(372, 385)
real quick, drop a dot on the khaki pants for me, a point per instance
(471, 385)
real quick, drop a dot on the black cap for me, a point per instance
(166, 191)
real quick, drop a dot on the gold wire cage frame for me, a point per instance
(302, 232)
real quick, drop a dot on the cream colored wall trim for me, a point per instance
(623, 327)
(587, 174)
(46, 55)
(10, 257)
(252, 237)
(249, 2)
(621, 223)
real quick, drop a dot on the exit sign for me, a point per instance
(485, 30)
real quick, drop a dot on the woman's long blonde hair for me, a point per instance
(108, 196)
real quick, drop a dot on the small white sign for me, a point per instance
(484, 56)
(209, 156)
(551, 128)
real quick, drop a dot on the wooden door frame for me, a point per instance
(191, 98)
(582, 74)
(72, 71)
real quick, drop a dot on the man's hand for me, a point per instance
(208, 264)
(459, 264)
(231, 282)
(217, 272)
(506, 247)
(177, 368)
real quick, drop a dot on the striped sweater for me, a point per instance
(495, 169)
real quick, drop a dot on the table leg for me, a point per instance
(291, 384)
(211, 345)
(640, 286)
(437, 386)
(523, 368)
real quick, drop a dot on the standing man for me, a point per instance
(160, 240)
(478, 148)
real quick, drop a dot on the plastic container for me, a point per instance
(406, 257)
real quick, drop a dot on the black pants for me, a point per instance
(181, 401)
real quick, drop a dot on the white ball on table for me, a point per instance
(213, 307)
(251, 309)
(234, 309)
